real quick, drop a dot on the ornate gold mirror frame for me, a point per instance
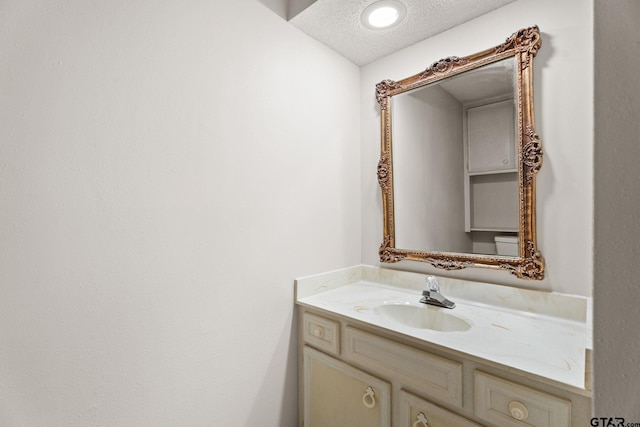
(523, 46)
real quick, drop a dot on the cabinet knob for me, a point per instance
(369, 398)
(518, 410)
(318, 332)
(421, 419)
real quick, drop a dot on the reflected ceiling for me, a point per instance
(482, 83)
(337, 24)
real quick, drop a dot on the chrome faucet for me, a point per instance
(433, 296)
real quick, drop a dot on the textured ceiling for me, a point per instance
(336, 23)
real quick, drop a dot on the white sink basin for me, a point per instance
(422, 317)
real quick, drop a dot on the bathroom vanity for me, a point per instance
(370, 354)
(458, 163)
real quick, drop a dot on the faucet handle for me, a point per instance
(432, 284)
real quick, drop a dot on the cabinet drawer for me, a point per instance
(321, 333)
(438, 377)
(512, 405)
(417, 412)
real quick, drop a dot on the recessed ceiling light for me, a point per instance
(383, 14)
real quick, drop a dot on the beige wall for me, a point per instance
(166, 171)
(563, 89)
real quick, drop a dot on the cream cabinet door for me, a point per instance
(338, 395)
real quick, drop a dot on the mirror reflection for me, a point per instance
(459, 156)
(455, 162)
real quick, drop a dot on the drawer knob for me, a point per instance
(422, 420)
(518, 410)
(318, 332)
(369, 398)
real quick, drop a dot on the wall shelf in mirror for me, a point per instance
(461, 171)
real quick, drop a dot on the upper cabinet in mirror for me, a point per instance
(458, 181)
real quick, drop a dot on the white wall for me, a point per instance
(617, 203)
(428, 153)
(563, 90)
(166, 170)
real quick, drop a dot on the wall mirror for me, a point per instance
(458, 181)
